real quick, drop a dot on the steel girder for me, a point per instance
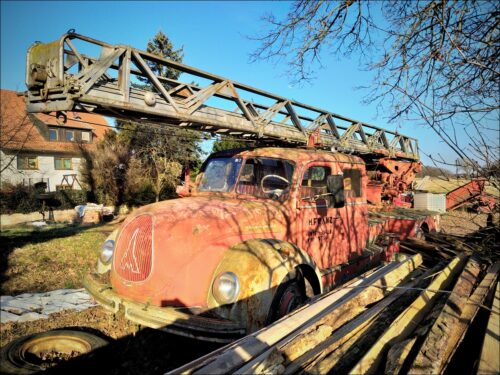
(61, 77)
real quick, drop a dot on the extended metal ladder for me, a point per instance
(63, 76)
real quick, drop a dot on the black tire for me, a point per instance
(422, 232)
(289, 296)
(23, 355)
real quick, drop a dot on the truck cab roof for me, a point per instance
(289, 153)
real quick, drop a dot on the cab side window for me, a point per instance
(352, 183)
(314, 183)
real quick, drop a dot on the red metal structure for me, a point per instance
(471, 193)
(262, 229)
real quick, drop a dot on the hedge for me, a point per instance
(23, 200)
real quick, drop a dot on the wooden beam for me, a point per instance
(436, 349)
(406, 323)
(472, 307)
(490, 354)
(319, 328)
(313, 361)
(341, 357)
(266, 336)
(252, 346)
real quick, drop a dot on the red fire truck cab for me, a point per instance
(262, 230)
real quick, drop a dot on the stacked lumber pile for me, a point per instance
(403, 317)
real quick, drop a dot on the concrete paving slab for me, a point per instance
(8, 317)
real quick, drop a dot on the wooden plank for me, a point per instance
(251, 346)
(409, 319)
(332, 296)
(351, 340)
(293, 346)
(397, 355)
(436, 348)
(472, 307)
(352, 329)
(490, 353)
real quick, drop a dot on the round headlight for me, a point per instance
(107, 251)
(226, 288)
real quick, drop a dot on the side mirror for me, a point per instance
(335, 186)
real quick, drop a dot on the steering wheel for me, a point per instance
(276, 192)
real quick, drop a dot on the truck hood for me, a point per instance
(166, 252)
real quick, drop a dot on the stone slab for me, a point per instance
(24, 304)
(14, 310)
(8, 317)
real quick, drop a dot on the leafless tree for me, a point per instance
(162, 170)
(435, 62)
(16, 130)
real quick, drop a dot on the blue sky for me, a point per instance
(214, 36)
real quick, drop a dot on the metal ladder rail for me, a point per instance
(52, 87)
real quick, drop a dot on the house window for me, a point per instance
(85, 136)
(62, 163)
(352, 183)
(27, 162)
(53, 134)
(70, 135)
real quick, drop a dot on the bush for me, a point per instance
(71, 198)
(20, 199)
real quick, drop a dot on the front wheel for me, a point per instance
(289, 296)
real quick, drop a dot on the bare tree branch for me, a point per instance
(435, 62)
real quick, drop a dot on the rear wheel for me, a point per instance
(422, 232)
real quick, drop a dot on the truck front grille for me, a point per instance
(134, 249)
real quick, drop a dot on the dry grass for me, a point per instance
(50, 258)
(464, 223)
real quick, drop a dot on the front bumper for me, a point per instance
(170, 319)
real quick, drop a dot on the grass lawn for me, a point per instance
(52, 257)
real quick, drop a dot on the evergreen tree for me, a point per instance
(228, 143)
(147, 156)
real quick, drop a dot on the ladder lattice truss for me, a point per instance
(122, 81)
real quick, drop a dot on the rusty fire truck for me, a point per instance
(264, 228)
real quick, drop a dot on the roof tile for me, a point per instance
(18, 131)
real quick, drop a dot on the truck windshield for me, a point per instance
(220, 174)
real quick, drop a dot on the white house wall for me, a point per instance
(45, 170)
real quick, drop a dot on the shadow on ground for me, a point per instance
(147, 352)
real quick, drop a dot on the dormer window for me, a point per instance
(69, 135)
(85, 136)
(53, 135)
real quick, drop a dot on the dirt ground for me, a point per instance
(463, 223)
(150, 351)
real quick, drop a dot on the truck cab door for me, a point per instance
(322, 224)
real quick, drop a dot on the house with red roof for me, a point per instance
(43, 147)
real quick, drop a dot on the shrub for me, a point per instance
(21, 199)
